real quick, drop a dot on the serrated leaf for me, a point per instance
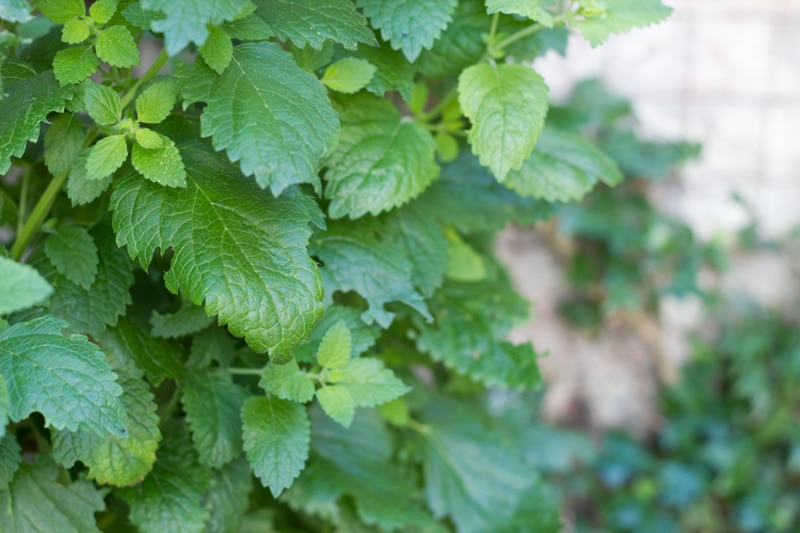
(349, 75)
(73, 252)
(15, 11)
(210, 345)
(287, 382)
(80, 189)
(162, 165)
(461, 44)
(5, 409)
(507, 104)
(334, 350)
(10, 459)
(276, 436)
(228, 497)
(277, 121)
(65, 379)
(75, 64)
(60, 11)
(532, 9)
(382, 160)
(354, 260)
(106, 156)
(369, 382)
(75, 31)
(212, 402)
(158, 358)
(25, 105)
(409, 26)
(156, 102)
(337, 403)
(171, 497)
(113, 460)
(20, 287)
(464, 263)
(237, 247)
(102, 103)
(249, 28)
(314, 21)
(393, 72)
(188, 319)
(619, 16)
(62, 143)
(147, 138)
(362, 335)
(564, 166)
(115, 46)
(102, 10)
(217, 50)
(186, 21)
(36, 501)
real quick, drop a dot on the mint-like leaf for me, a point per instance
(15, 11)
(162, 165)
(156, 101)
(337, 403)
(106, 156)
(102, 103)
(217, 50)
(158, 358)
(75, 31)
(619, 16)
(62, 143)
(75, 64)
(228, 497)
(115, 46)
(80, 189)
(532, 9)
(334, 350)
(188, 319)
(102, 10)
(10, 459)
(348, 75)
(20, 287)
(73, 252)
(362, 335)
(287, 382)
(368, 382)
(60, 11)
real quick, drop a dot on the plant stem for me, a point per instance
(38, 215)
(514, 37)
(245, 371)
(23, 198)
(441, 106)
(493, 31)
(147, 76)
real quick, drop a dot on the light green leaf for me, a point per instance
(186, 21)
(354, 260)
(446, 147)
(156, 101)
(26, 104)
(368, 382)
(37, 501)
(113, 460)
(277, 121)
(147, 138)
(62, 143)
(313, 21)
(393, 72)
(461, 44)
(217, 50)
(237, 247)
(115, 46)
(337, 403)
(20, 287)
(53, 374)
(349, 75)
(106, 156)
(10, 459)
(162, 165)
(382, 160)
(532, 9)
(74, 254)
(411, 25)
(287, 382)
(334, 350)
(188, 319)
(60, 11)
(80, 189)
(464, 263)
(506, 104)
(158, 358)
(75, 64)
(15, 11)
(228, 497)
(212, 402)
(564, 166)
(102, 103)
(620, 16)
(362, 335)
(102, 10)
(75, 31)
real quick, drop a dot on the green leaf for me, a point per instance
(156, 101)
(382, 160)
(10, 459)
(158, 358)
(461, 44)
(249, 28)
(277, 121)
(235, 246)
(37, 501)
(393, 72)
(334, 350)
(354, 260)
(62, 143)
(228, 497)
(147, 138)
(368, 382)
(162, 165)
(186, 21)
(171, 497)
(314, 21)
(75, 31)
(60, 11)
(102, 103)
(20, 287)
(102, 10)
(115, 46)
(15, 11)
(80, 189)
(5, 407)
(619, 16)
(507, 105)
(188, 319)
(464, 263)
(75, 64)
(212, 402)
(74, 254)
(337, 403)
(276, 436)
(26, 104)
(106, 156)
(217, 50)
(532, 9)
(409, 26)
(212, 345)
(53, 374)
(349, 75)
(287, 382)
(564, 166)
(362, 336)
(113, 460)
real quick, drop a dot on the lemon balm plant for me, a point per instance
(251, 287)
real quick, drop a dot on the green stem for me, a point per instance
(23, 198)
(147, 76)
(439, 108)
(516, 36)
(418, 427)
(245, 371)
(493, 31)
(38, 215)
